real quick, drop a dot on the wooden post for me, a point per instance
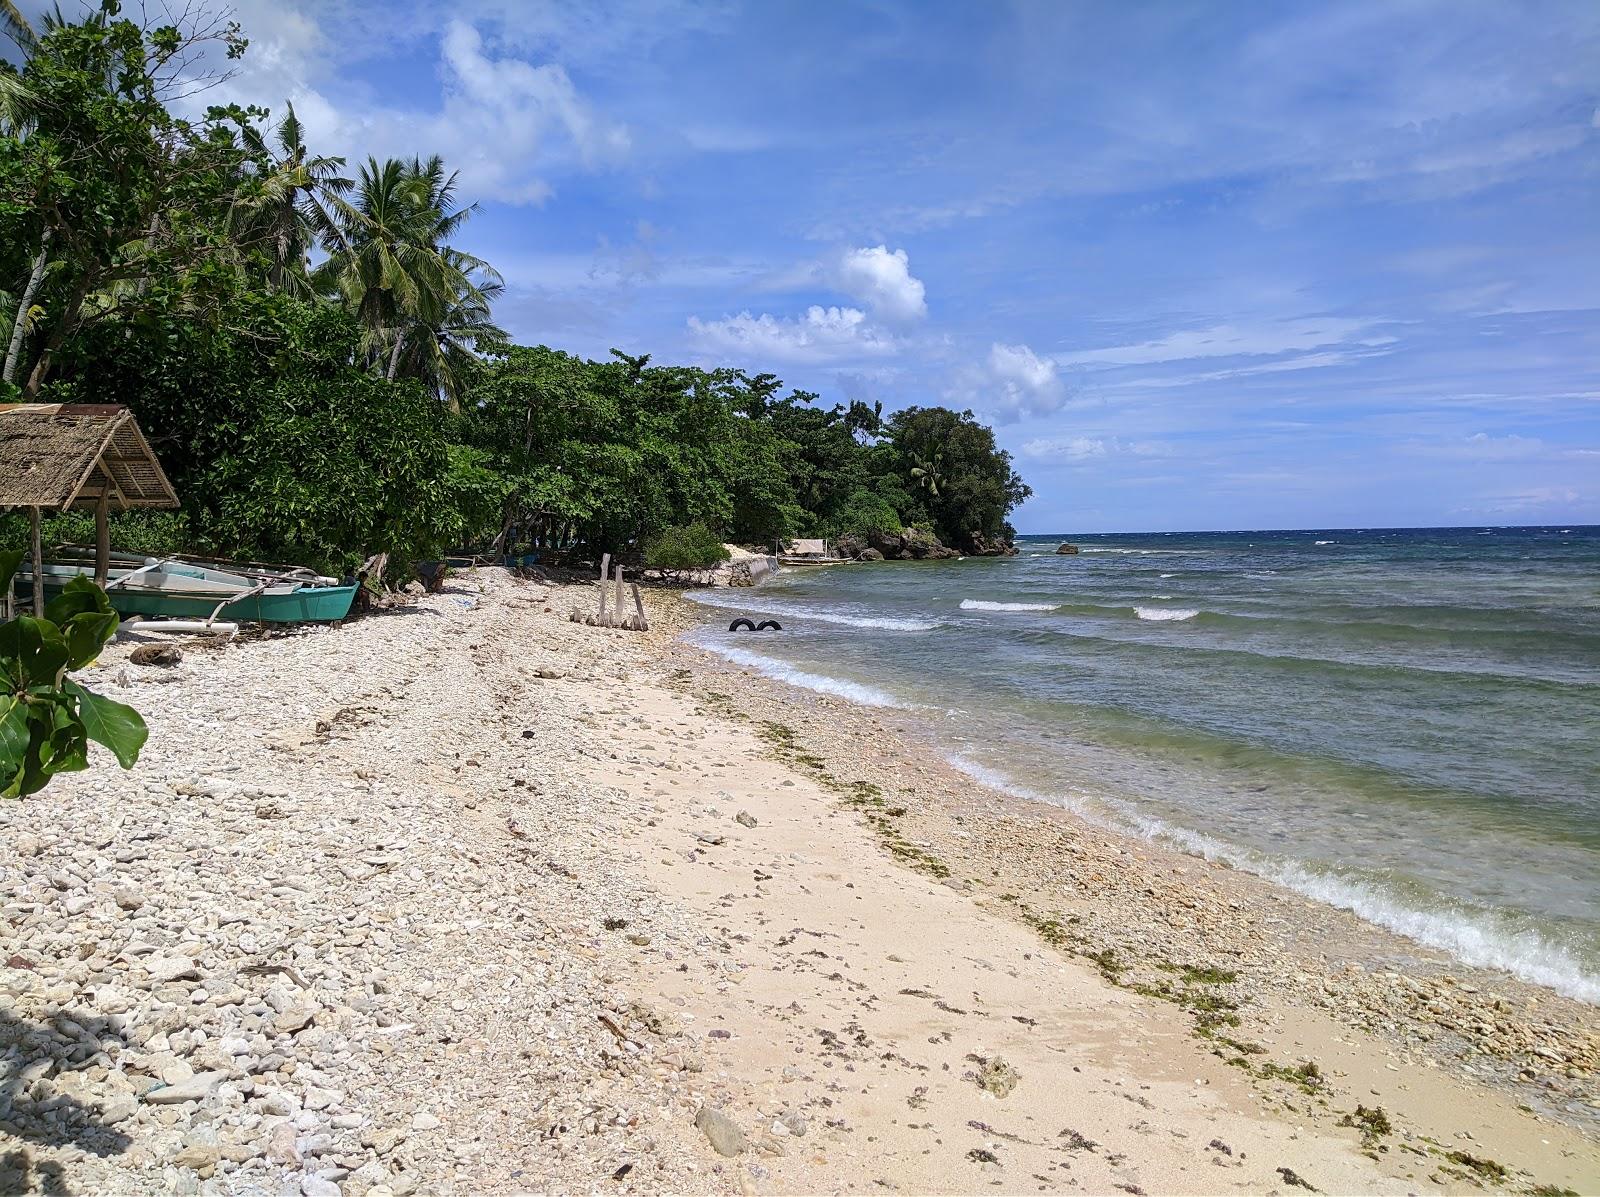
(638, 603)
(605, 570)
(102, 538)
(619, 594)
(38, 563)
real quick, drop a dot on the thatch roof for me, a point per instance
(57, 455)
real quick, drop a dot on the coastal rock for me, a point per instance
(194, 1089)
(745, 819)
(1067, 550)
(164, 656)
(722, 1132)
(869, 554)
(998, 1077)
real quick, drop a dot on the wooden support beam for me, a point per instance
(38, 562)
(605, 571)
(102, 538)
(619, 594)
(638, 603)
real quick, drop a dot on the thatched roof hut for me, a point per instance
(56, 456)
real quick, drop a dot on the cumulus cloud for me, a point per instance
(1013, 382)
(820, 335)
(882, 280)
(877, 278)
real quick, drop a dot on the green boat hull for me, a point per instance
(310, 604)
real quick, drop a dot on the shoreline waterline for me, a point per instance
(1395, 847)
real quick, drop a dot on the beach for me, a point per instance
(466, 897)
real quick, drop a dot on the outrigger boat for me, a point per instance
(175, 588)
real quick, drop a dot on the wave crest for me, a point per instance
(985, 605)
(784, 672)
(1166, 614)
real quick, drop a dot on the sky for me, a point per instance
(1228, 265)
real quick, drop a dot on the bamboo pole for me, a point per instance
(38, 563)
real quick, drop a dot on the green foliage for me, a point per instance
(369, 404)
(46, 718)
(866, 512)
(694, 546)
(153, 533)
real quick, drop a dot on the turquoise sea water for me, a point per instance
(1405, 723)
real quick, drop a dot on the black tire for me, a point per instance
(741, 625)
(769, 625)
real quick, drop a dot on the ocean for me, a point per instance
(1401, 722)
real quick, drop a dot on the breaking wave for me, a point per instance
(1473, 936)
(784, 672)
(985, 605)
(1165, 614)
(732, 602)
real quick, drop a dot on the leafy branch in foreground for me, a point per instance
(46, 718)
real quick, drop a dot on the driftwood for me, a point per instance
(636, 621)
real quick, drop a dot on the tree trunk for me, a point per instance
(14, 350)
(58, 335)
(394, 355)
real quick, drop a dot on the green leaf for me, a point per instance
(77, 596)
(87, 633)
(14, 739)
(34, 650)
(115, 725)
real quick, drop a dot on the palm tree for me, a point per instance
(392, 265)
(285, 209)
(929, 473)
(440, 349)
(15, 26)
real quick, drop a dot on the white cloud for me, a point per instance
(1013, 382)
(1226, 340)
(1072, 448)
(883, 282)
(1078, 449)
(820, 335)
(508, 124)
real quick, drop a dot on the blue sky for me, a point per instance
(1204, 266)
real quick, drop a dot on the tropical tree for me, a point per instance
(282, 209)
(103, 190)
(443, 350)
(925, 472)
(390, 261)
(15, 26)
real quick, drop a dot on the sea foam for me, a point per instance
(784, 672)
(1166, 614)
(985, 605)
(1471, 936)
(820, 614)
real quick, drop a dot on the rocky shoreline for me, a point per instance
(463, 897)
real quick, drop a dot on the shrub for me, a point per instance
(694, 546)
(46, 718)
(866, 513)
